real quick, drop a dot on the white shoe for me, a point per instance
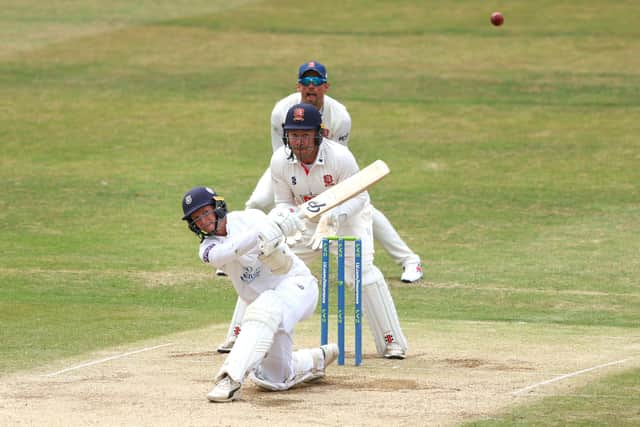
(220, 273)
(226, 346)
(326, 355)
(394, 351)
(225, 390)
(330, 353)
(411, 272)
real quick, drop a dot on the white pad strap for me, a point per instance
(381, 314)
(261, 321)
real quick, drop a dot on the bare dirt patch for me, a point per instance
(456, 371)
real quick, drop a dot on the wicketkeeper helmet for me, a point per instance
(303, 117)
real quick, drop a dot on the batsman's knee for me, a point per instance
(267, 309)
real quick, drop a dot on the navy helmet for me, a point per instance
(197, 198)
(302, 117)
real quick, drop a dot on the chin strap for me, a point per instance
(201, 234)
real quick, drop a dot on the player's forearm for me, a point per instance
(218, 254)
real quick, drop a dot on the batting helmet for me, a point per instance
(302, 116)
(197, 198)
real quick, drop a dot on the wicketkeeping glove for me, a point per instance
(327, 226)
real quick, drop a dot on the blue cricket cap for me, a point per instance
(312, 66)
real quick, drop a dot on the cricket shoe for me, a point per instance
(226, 390)
(411, 272)
(322, 357)
(220, 273)
(227, 345)
(394, 351)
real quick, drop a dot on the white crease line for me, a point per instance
(573, 374)
(106, 359)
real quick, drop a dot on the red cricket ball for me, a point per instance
(497, 18)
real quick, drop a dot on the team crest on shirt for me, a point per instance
(249, 274)
(328, 180)
(298, 114)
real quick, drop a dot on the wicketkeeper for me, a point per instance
(276, 285)
(306, 166)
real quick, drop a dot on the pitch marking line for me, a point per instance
(573, 374)
(106, 359)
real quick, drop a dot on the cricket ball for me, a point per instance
(497, 19)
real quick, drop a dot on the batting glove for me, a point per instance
(288, 221)
(269, 237)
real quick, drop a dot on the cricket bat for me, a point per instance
(345, 190)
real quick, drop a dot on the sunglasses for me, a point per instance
(317, 81)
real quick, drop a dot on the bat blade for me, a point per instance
(345, 190)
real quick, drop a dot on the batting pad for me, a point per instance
(260, 323)
(381, 315)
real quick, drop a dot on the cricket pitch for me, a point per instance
(455, 372)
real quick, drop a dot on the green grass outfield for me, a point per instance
(515, 158)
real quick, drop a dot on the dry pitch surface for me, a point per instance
(456, 371)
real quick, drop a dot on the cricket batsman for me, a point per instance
(277, 287)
